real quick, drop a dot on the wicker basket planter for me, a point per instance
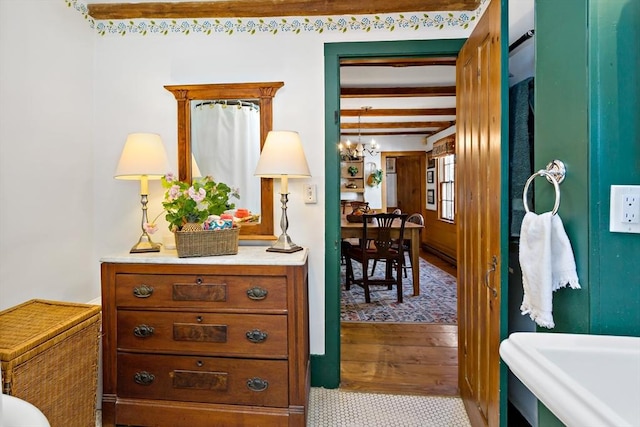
(207, 242)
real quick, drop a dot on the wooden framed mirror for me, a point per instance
(261, 93)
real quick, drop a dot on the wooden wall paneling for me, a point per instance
(439, 236)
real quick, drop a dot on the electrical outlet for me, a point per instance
(630, 209)
(625, 209)
(309, 193)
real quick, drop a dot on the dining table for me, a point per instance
(350, 230)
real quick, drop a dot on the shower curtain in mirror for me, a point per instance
(225, 140)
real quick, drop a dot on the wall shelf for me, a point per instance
(347, 178)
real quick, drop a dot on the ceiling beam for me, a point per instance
(396, 92)
(396, 125)
(270, 8)
(397, 62)
(390, 133)
(373, 112)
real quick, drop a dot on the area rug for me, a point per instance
(435, 304)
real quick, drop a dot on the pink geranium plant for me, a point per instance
(193, 202)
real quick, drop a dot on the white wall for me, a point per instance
(522, 58)
(46, 153)
(88, 214)
(130, 74)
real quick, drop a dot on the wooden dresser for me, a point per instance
(215, 341)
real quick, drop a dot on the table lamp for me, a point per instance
(282, 157)
(143, 158)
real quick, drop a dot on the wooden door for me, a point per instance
(478, 157)
(410, 170)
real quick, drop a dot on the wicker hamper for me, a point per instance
(49, 357)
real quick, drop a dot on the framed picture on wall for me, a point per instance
(430, 177)
(431, 162)
(431, 197)
(391, 165)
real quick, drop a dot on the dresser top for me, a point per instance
(247, 255)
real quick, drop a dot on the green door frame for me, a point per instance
(325, 369)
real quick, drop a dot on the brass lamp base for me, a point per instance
(145, 245)
(284, 245)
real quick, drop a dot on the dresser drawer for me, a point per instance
(212, 291)
(203, 379)
(255, 335)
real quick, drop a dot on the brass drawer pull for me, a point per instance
(257, 336)
(142, 291)
(144, 378)
(257, 384)
(143, 331)
(257, 293)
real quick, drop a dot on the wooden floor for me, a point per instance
(400, 358)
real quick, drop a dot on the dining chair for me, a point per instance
(386, 246)
(354, 205)
(415, 218)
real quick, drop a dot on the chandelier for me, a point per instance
(354, 152)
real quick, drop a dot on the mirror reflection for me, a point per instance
(225, 143)
(221, 130)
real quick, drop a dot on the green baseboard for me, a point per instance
(322, 373)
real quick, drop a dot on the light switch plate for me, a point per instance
(309, 193)
(625, 209)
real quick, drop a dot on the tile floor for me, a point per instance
(338, 408)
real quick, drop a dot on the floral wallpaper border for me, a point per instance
(290, 25)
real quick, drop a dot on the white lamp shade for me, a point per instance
(143, 155)
(282, 156)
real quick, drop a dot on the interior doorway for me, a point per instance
(329, 364)
(409, 183)
(416, 353)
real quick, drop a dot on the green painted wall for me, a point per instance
(561, 132)
(587, 114)
(614, 75)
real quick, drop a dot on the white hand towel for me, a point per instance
(547, 264)
(563, 265)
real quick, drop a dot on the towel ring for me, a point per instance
(551, 179)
